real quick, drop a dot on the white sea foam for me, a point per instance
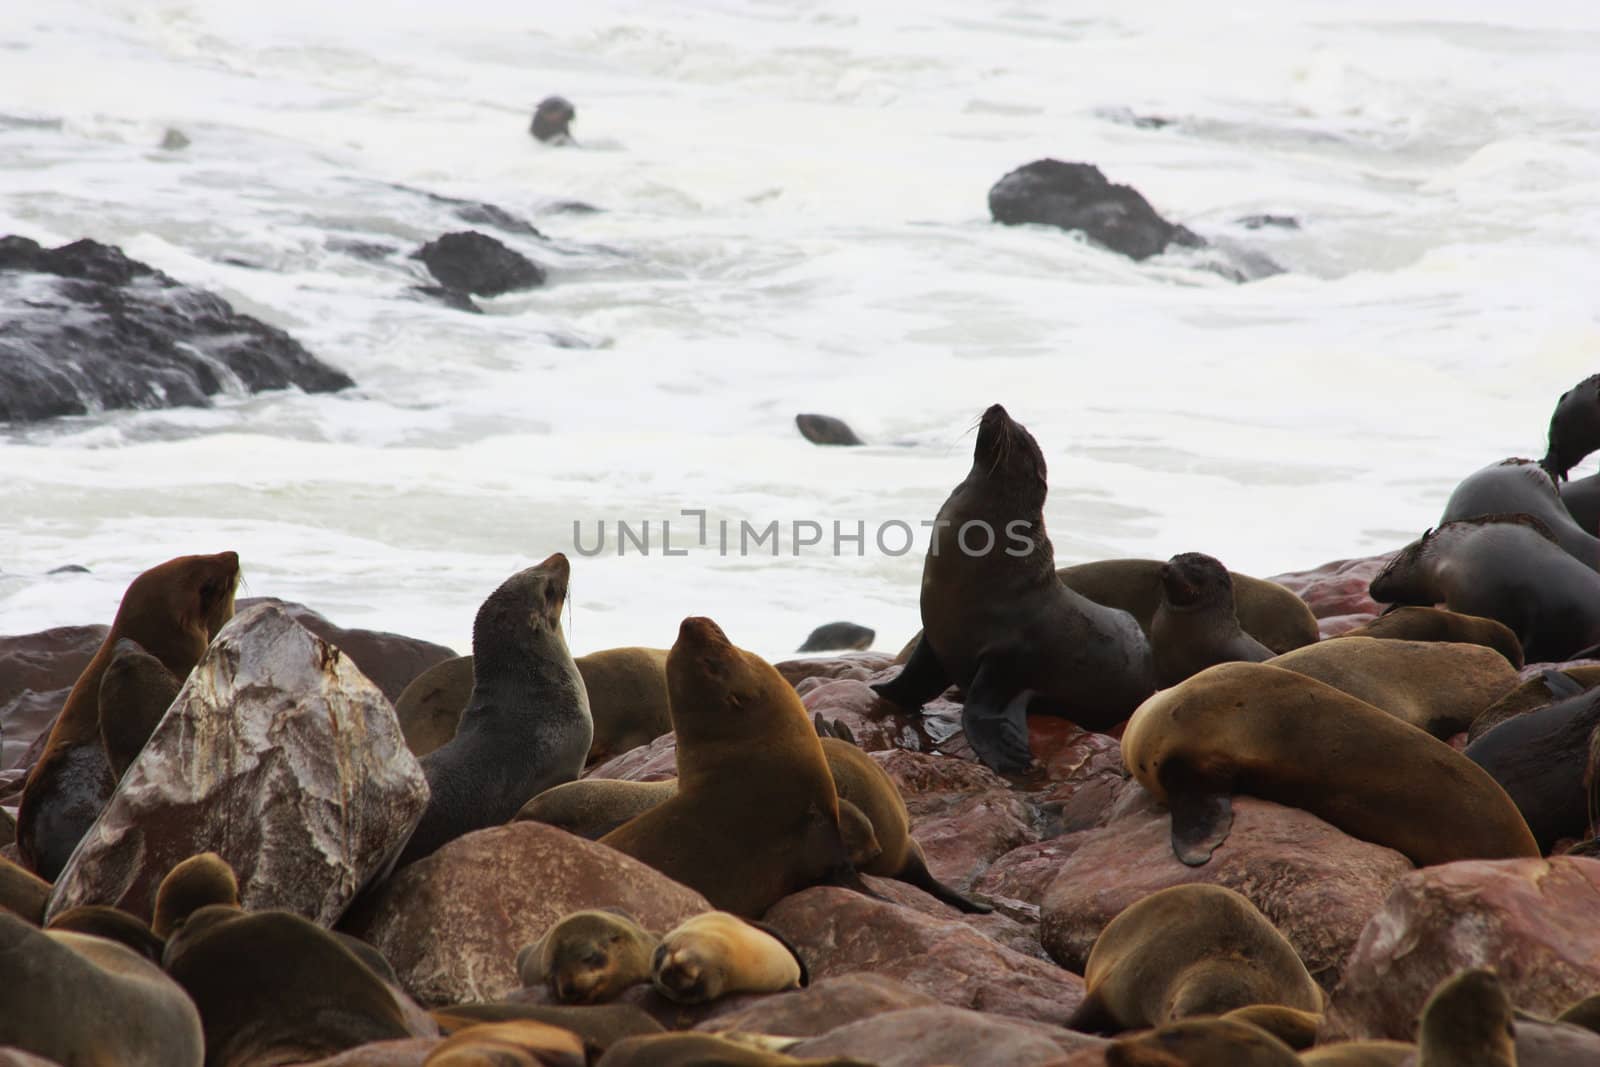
(795, 220)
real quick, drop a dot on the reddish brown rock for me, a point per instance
(962, 840)
(874, 724)
(1532, 920)
(1318, 885)
(1024, 874)
(920, 1037)
(1013, 923)
(1337, 588)
(453, 922)
(36, 673)
(855, 665)
(920, 776)
(280, 756)
(648, 763)
(391, 661)
(1085, 778)
(1334, 625)
(825, 1005)
(840, 932)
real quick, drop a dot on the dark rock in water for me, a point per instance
(84, 328)
(1261, 222)
(570, 207)
(552, 121)
(174, 140)
(1076, 196)
(826, 430)
(69, 568)
(1126, 117)
(450, 298)
(278, 755)
(369, 251)
(476, 263)
(839, 635)
(479, 213)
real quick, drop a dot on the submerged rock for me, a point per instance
(1076, 196)
(83, 328)
(475, 263)
(280, 756)
(826, 430)
(839, 635)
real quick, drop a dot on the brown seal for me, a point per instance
(513, 1043)
(1196, 625)
(1267, 611)
(707, 1050)
(1185, 951)
(1521, 486)
(1437, 624)
(552, 121)
(113, 924)
(600, 1025)
(1574, 429)
(526, 726)
(1221, 1042)
(756, 816)
(1435, 686)
(1468, 1022)
(627, 689)
(1360, 1054)
(135, 692)
(593, 807)
(22, 893)
(716, 954)
(1278, 735)
(589, 957)
(1502, 567)
(1539, 691)
(78, 999)
(1295, 1028)
(999, 623)
(1541, 759)
(172, 611)
(200, 881)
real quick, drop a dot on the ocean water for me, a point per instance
(793, 218)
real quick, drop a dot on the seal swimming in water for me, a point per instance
(552, 121)
(756, 815)
(998, 622)
(527, 725)
(172, 611)
(1196, 626)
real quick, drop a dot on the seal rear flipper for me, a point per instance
(995, 719)
(1201, 817)
(916, 873)
(919, 681)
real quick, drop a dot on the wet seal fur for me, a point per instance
(1003, 626)
(1259, 729)
(527, 725)
(1541, 760)
(716, 954)
(1413, 623)
(756, 816)
(172, 611)
(1196, 626)
(1185, 951)
(1574, 428)
(1468, 1022)
(589, 957)
(1521, 486)
(135, 692)
(1502, 567)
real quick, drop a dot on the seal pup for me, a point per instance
(135, 692)
(1435, 686)
(715, 954)
(1502, 567)
(1195, 626)
(1574, 429)
(77, 999)
(202, 880)
(527, 725)
(1360, 1054)
(1468, 1022)
(172, 611)
(589, 957)
(1413, 623)
(22, 893)
(1295, 1028)
(1541, 760)
(1259, 729)
(510, 1043)
(756, 816)
(1189, 950)
(998, 622)
(552, 121)
(1521, 486)
(113, 924)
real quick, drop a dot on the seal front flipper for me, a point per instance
(995, 718)
(1201, 816)
(916, 873)
(919, 681)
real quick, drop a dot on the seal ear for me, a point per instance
(1201, 816)
(995, 719)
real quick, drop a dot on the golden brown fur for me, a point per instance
(715, 954)
(589, 957)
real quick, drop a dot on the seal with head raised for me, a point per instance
(1502, 567)
(1574, 428)
(755, 816)
(172, 611)
(1521, 486)
(997, 621)
(1196, 626)
(526, 726)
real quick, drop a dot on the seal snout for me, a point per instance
(700, 631)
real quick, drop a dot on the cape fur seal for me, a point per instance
(1195, 625)
(1574, 429)
(1185, 951)
(589, 957)
(1360, 1054)
(135, 692)
(1468, 1022)
(113, 924)
(707, 1050)
(1521, 486)
(172, 611)
(22, 893)
(755, 817)
(552, 121)
(200, 881)
(1502, 567)
(998, 622)
(1202, 1043)
(526, 726)
(715, 954)
(1541, 760)
(1413, 623)
(512, 1043)
(1259, 729)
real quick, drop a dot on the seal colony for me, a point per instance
(757, 892)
